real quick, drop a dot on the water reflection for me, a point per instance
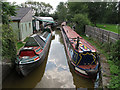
(57, 74)
(54, 72)
(30, 81)
(79, 81)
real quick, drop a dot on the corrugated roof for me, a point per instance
(45, 19)
(21, 12)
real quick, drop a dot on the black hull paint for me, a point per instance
(25, 69)
(90, 74)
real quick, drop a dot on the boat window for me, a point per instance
(31, 42)
(40, 41)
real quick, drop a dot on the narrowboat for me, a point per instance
(33, 53)
(81, 54)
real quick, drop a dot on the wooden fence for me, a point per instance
(101, 34)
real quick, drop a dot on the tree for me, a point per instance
(61, 11)
(112, 13)
(77, 7)
(39, 8)
(103, 12)
(7, 11)
(81, 20)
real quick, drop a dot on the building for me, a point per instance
(40, 22)
(22, 23)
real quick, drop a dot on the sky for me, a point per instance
(53, 3)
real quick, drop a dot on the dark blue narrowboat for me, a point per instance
(81, 54)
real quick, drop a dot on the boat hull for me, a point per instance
(82, 72)
(25, 69)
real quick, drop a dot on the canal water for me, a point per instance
(54, 72)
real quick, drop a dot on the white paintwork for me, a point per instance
(81, 71)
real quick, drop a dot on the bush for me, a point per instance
(106, 46)
(8, 43)
(115, 52)
(81, 20)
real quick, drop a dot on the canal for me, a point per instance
(54, 72)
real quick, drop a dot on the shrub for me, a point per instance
(81, 20)
(115, 52)
(106, 46)
(8, 43)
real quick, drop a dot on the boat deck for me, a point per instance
(83, 45)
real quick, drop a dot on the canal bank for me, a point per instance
(104, 66)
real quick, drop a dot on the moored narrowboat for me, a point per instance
(82, 55)
(33, 53)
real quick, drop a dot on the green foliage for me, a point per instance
(81, 20)
(19, 45)
(26, 39)
(113, 59)
(114, 82)
(115, 77)
(115, 53)
(40, 8)
(7, 11)
(106, 46)
(61, 11)
(77, 7)
(114, 69)
(8, 43)
(103, 12)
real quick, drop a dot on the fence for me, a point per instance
(101, 35)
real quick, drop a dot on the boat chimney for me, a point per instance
(77, 45)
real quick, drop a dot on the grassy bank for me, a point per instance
(108, 27)
(112, 53)
(21, 44)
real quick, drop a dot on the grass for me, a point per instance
(109, 27)
(26, 39)
(19, 45)
(96, 44)
(114, 69)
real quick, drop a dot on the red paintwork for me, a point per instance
(87, 66)
(72, 34)
(30, 53)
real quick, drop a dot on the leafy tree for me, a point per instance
(54, 15)
(61, 11)
(103, 12)
(7, 11)
(81, 20)
(94, 11)
(77, 7)
(39, 8)
(112, 13)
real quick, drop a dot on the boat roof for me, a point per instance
(83, 44)
(37, 40)
(45, 19)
